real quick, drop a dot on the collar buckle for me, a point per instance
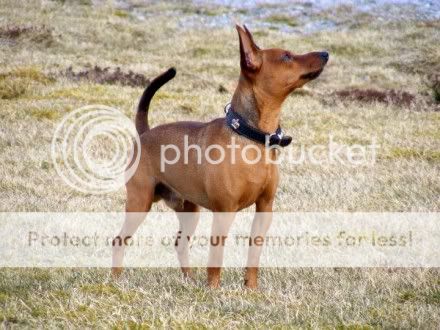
(275, 138)
(227, 108)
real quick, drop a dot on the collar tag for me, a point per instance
(235, 123)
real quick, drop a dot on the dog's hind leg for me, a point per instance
(188, 215)
(140, 196)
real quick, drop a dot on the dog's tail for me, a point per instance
(144, 103)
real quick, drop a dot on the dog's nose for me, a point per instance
(324, 56)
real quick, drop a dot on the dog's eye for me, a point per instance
(287, 57)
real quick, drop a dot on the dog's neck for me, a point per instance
(260, 110)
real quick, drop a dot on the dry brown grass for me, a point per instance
(307, 298)
(372, 55)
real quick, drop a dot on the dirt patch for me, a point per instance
(13, 32)
(39, 34)
(371, 95)
(433, 83)
(108, 76)
(222, 89)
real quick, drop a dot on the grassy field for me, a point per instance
(382, 82)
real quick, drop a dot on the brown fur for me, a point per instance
(267, 78)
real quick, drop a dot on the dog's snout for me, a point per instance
(324, 56)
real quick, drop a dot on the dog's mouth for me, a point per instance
(311, 75)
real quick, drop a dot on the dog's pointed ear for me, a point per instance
(250, 56)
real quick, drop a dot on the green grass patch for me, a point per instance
(83, 312)
(8, 317)
(433, 297)
(3, 297)
(208, 12)
(407, 296)
(198, 10)
(61, 294)
(282, 19)
(241, 11)
(13, 88)
(200, 52)
(41, 114)
(100, 289)
(260, 33)
(121, 13)
(435, 134)
(39, 311)
(348, 49)
(107, 290)
(292, 123)
(408, 153)
(89, 93)
(17, 82)
(355, 326)
(31, 73)
(162, 95)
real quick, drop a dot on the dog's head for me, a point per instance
(276, 71)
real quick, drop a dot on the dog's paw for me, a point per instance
(251, 278)
(214, 277)
(116, 272)
(188, 276)
(214, 284)
(251, 285)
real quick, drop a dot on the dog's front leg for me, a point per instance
(260, 226)
(220, 228)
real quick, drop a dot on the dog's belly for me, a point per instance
(218, 188)
(222, 194)
(192, 192)
(229, 185)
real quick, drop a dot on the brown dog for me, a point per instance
(267, 77)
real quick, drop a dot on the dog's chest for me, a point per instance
(244, 187)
